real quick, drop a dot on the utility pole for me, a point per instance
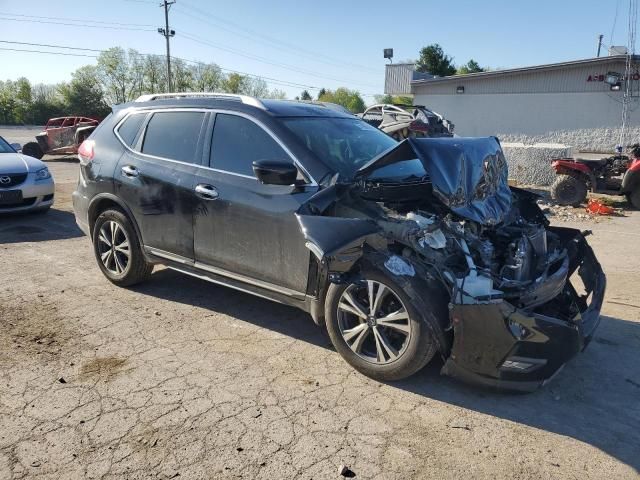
(600, 37)
(167, 34)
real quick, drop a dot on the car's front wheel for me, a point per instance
(117, 249)
(376, 328)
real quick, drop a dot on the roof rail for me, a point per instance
(247, 100)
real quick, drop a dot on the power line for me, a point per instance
(227, 25)
(78, 24)
(615, 20)
(267, 61)
(52, 46)
(51, 53)
(269, 79)
(136, 27)
(82, 20)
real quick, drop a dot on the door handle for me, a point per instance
(206, 192)
(129, 171)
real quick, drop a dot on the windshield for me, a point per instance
(344, 144)
(5, 147)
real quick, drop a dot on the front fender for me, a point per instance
(336, 242)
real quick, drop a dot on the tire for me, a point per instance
(417, 349)
(568, 190)
(634, 198)
(32, 149)
(122, 266)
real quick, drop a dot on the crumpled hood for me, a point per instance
(469, 175)
(18, 163)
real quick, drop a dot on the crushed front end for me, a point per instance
(521, 342)
(524, 297)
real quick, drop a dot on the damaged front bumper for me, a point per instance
(499, 345)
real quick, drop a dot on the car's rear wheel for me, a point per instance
(376, 328)
(32, 149)
(568, 190)
(117, 249)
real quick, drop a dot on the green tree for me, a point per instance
(47, 103)
(155, 74)
(115, 75)
(8, 103)
(276, 94)
(23, 100)
(181, 79)
(305, 95)
(234, 83)
(470, 67)
(396, 100)
(349, 99)
(84, 95)
(321, 93)
(255, 87)
(434, 61)
(206, 77)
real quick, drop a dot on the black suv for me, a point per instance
(398, 248)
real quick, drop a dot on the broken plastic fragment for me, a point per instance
(596, 207)
(398, 266)
(435, 239)
(421, 220)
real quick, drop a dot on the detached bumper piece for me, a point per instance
(499, 345)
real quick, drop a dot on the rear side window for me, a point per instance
(238, 142)
(173, 135)
(129, 129)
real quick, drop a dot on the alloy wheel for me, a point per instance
(113, 247)
(374, 322)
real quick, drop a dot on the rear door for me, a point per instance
(246, 228)
(156, 174)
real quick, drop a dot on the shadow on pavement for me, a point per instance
(38, 227)
(61, 158)
(177, 287)
(593, 400)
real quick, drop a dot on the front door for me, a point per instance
(244, 227)
(156, 180)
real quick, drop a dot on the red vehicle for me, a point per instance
(61, 136)
(616, 175)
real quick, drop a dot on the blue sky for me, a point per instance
(331, 43)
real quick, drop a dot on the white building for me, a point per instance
(568, 102)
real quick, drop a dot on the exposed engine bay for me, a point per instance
(514, 260)
(487, 244)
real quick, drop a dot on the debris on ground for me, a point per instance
(563, 213)
(596, 207)
(345, 471)
(566, 213)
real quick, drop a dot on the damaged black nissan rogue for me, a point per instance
(403, 251)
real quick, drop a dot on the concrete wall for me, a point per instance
(530, 114)
(531, 164)
(602, 140)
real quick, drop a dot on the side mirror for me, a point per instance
(17, 147)
(275, 172)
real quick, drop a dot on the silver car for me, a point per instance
(25, 182)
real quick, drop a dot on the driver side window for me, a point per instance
(238, 142)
